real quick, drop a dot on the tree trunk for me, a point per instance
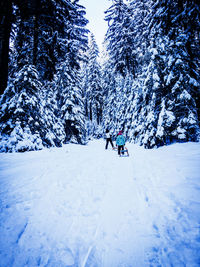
(36, 25)
(5, 29)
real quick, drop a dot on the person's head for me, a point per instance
(120, 133)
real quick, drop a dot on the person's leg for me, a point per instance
(119, 148)
(122, 149)
(111, 143)
(106, 143)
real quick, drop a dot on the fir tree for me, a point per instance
(93, 93)
(50, 113)
(109, 95)
(22, 126)
(70, 103)
(94, 87)
(119, 39)
(73, 44)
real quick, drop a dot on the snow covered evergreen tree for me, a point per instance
(120, 66)
(21, 124)
(73, 43)
(50, 113)
(70, 103)
(119, 39)
(93, 94)
(109, 92)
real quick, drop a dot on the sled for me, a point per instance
(124, 151)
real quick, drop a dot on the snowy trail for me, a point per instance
(84, 206)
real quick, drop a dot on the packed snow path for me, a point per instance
(85, 206)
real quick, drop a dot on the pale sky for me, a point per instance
(95, 14)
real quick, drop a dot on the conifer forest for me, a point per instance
(57, 88)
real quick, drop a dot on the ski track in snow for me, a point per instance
(84, 206)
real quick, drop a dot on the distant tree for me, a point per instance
(93, 94)
(109, 95)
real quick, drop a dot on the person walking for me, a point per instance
(108, 139)
(120, 142)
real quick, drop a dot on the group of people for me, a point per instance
(120, 141)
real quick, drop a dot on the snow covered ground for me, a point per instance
(84, 206)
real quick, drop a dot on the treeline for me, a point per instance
(152, 75)
(54, 90)
(42, 104)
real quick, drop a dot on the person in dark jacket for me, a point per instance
(120, 142)
(108, 139)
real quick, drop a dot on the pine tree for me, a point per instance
(70, 103)
(119, 39)
(5, 29)
(73, 44)
(93, 92)
(94, 87)
(109, 95)
(50, 113)
(22, 126)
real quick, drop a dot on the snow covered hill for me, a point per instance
(85, 206)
